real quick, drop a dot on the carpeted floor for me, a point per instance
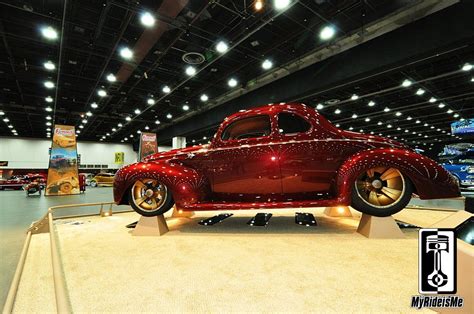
(232, 267)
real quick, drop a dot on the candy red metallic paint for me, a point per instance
(314, 168)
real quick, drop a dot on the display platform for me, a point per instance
(229, 266)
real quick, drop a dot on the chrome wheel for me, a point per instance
(381, 187)
(148, 194)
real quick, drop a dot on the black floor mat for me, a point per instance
(213, 220)
(260, 220)
(132, 225)
(405, 225)
(305, 219)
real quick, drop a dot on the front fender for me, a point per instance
(186, 185)
(429, 178)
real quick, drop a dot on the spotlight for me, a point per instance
(371, 103)
(166, 89)
(185, 107)
(89, 114)
(48, 123)
(111, 78)
(337, 111)
(147, 19)
(48, 99)
(49, 84)
(267, 64)
(327, 32)
(354, 97)
(407, 83)
(354, 116)
(49, 33)
(432, 100)
(420, 91)
(120, 125)
(190, 70)
(101, 93)
(157, 122)
(258, 5)
(441, 105)
(128, 118)
(467, 67)
(169, 116)
(150, 101)
(48, 109)
(387, 109)
(2, 113)
(126, 53)
(398, 113)
(137, 111)
(147, 127)
(84, 121)
(281, 4)
(94, 105)
(204, 98)
(49, 66)
(232, 82)
(48, 117)
(319, 107)
(222, 47)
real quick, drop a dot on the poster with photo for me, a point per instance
(63, 177)
(148, 145)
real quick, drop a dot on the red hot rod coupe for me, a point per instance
(283, 156)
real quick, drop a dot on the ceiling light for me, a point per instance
(185, 107)
(367, 120)
(327, 32)
(6, 120)
(111, 78)
(354, 97)
(472, 79)
(379, 123)
(449, 111)
(267, 64)
(120, 125)
(432, 99)
(101, 93)
(49, 33)
(84, 121)
(406, 83)
(420, 91)
(441, 105)
(387, 109)
(10, 126)
(204, 97)
(49, 99)
(398, 113)
(48, 109)
(81, 126)
(125, 139)
(354, 116)
(128, 118)
(131, 135)
(49, 84)
(281, 4)
(337, 111)
(48, 129)
(114, 129)
(258, 5)
(137, 111)
(88, 113)
(389, 126)
(157, 122)
(169, 116)
(467, 67)
(319, 107)
(222, 47)
(147, 127)
(147, 19)
(166, 89)
(94, 105)
(48, 123)
(139, 132)
(78, 131)
(2, 113)
(418, 121)
(108, 134)
(150, 101)
(49, 66)
(126, 53)
(371, 103)
(456, 115)
(190, 70)
(48, 117)
(232, 82)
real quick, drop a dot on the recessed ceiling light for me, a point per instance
(49, 99)
(147, 127)
(147, 19)
(398, 113)
(449, 111)
(320, 107)
(78, 131)
(111, 78)
(185, 107)
(48, 123)
(354, 97)
(407, 83)
(49, 84)
(281, 4)
(267, 64)
(48, 109)
(379, 123)
(94, 105)
(169, 116)
(190, 70)
(456, 115)
(327, 32)
(137, 111)
(367, 119)
(128, 118)
(101, 93)
(48, 117)
(166, 89)
(2, 113)
(354, 116)
(389, 126)
(387, 109)
(232, 82)
(432, 99)
(222, 47)
(108, 134)
(84, 121)
(126, 53)
(441, 105)
(120, 125)
(467, 67)
(420, 91)
(81, 126)
(114, 129)
(337, 111)
(351, 128)
(150, 101)
(49, 66)
(371, 103)
(139, 132)
(157, 122)
(10, 126)
(204, 97)
(88, 113)
(418, 121)
(49, 33)
(6, 120)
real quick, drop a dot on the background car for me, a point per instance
(102, 179)
(283, 155)
(462, 168)
(13, 183)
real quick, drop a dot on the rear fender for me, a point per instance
(429, 178)
(186, 185)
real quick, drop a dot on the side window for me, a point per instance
(289, 123)
(251, 127)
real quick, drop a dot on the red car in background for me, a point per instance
(283, 155)
(14, 183)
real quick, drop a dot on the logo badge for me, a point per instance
(437, 261)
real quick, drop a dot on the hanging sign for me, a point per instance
(63, 177)
(148, 145)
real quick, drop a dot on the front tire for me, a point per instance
(149, 198)
(381, 192)
(93, 184)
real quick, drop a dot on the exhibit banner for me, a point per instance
(119, 158)
(63, 177)
(148, 145)
(465, 127)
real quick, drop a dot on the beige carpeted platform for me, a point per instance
(229, 267)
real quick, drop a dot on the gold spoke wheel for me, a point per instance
(148, 194)
(381, 187)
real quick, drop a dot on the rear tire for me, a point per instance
(381, 192)
(150, 198)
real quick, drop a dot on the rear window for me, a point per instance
(290, 123)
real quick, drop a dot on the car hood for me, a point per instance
(174, 153)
